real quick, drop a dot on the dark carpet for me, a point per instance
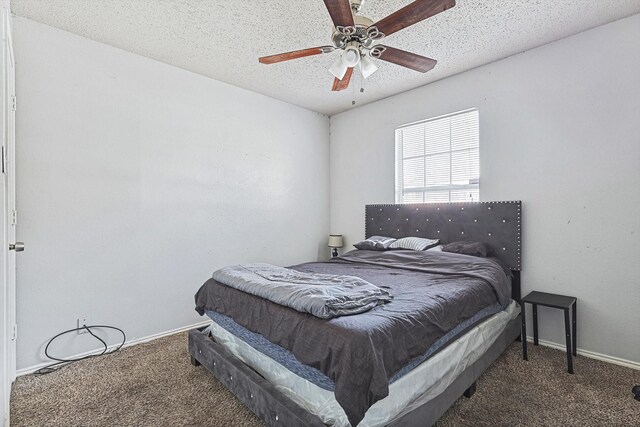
(154, 384)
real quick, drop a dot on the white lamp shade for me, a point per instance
(339, 68)
(335, 241)
(367, 66)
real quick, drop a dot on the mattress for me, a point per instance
(288, 360)
(416, 387)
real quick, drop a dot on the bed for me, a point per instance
(397, 364)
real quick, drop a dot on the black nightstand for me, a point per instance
(556, 301)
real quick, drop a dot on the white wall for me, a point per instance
(136, 180)
(560, 130)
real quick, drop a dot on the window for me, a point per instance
(438, 160)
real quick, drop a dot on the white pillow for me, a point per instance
(415, 243)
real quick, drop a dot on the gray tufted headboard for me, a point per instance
(496, 224)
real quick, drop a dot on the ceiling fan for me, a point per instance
(358, 38)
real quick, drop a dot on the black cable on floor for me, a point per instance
(60, 362)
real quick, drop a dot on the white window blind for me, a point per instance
(438, 160)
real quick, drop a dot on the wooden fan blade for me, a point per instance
(407, 59)
(412, 13)
(339, 85)
(340, 11)
(291, 55)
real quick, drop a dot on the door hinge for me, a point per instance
(14, 217)
(14, 332)
(3, 160)
(14, 103)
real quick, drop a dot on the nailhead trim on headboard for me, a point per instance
(497, 224)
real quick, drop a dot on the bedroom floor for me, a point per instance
(154, 384)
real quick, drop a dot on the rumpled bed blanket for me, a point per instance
(324, 295)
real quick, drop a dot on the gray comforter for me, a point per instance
(433, 292)
(323, 295)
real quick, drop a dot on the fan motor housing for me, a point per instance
(362, 24)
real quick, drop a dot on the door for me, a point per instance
(9, 218)
(10, 193)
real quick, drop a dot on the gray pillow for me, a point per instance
(467, 248)
(375, 243)
(415, 243)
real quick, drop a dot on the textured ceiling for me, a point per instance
(223, 39)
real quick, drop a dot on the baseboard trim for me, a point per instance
(32, 369)
(586, 353)
(590, 354)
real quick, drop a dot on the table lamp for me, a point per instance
(335, 242)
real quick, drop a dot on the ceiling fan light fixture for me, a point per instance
(367, 66)
(339, 67)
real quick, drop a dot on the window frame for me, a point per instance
(400, 190)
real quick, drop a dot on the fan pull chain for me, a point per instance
(353, 89)
(353, 93)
